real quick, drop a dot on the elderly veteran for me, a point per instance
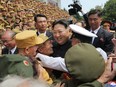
(57, 63)
(46, 46)
(27, 43)
(15, 65)
(78, 62)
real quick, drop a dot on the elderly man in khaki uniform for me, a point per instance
(27, 43)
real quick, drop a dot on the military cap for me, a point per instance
(15, 64)
(84, 62)
(1, 19)
(44, 37)
(30, 20)
(8, 26)
(81, 30)
(1, 7)
(16, 30)
(12, 11)
(27, 38)
(2, 2)
(2, 28)
(4, 9)
(19, 9)
(29, 15)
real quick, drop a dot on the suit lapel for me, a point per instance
(16, 51)
(100, 37)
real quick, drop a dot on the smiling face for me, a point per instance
(7, 39)
(46, 48)
(61, 34)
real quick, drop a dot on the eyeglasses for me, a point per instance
(6, 41)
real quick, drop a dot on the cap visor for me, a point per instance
(81, 30)
(39, 40)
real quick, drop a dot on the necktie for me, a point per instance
(10, 52)
(93, 37)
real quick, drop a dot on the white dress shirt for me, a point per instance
(12, 50)
(95, 32)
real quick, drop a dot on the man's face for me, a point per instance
(61, 34)
(41, 24)
(46, 48)
(8, 41)
(31, 51)
(94, 21)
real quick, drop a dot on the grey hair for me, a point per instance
(16, 81)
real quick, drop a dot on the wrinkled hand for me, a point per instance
(39, 69)
(108, 73)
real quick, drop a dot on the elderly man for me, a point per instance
(9, 43)
(27, 43)
(61, 61)
(79, 35)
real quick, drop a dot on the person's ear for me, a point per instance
(40, 49)
(27, 50)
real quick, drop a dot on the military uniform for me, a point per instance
(27, 39)
(15, 65)
(85, 65)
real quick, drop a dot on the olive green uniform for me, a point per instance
(85, 66)
(15, 65)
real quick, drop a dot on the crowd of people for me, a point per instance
(19, 14)
(41, 48)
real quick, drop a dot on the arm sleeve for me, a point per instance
(92, 84)
(103, 53)
(56, 63)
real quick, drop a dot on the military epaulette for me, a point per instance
(14, 57)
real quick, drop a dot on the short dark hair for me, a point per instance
(39, 15)
(63, 22)
(95, 11)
